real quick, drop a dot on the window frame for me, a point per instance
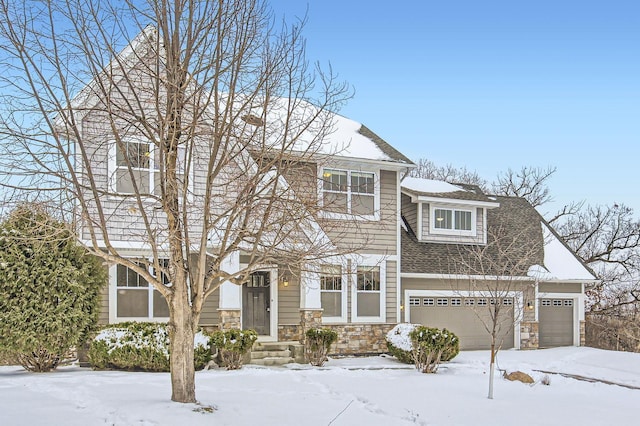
(343, 296)
(152, 170)
(149, 288)
(382, 270)
(453, 209)
(350, 193)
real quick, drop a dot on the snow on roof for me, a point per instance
(429, 185)
(560, 263)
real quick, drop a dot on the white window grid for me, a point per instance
(482, 302)
(545, 302)
(456, 302)
(428, 301)
(414, 301)
(355, 184)
(469, 301)
(443, 302)
(568, 302)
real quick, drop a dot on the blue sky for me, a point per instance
(494, 84)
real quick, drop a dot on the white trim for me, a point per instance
(517, 308)
(578, 309)
(398, 248)
(450, 201)
(419, 224)
(372, 261)
(463, 276)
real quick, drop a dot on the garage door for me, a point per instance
(556, 322)
(461, 315)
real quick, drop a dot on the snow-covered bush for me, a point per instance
(141, 346)
(429, 345)
(399, 343)
(232, 344)
(317, 345)
(49, 289)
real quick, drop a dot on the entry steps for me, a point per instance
(276, 353)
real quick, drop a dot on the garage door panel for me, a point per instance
(556, 322)
(465, 323)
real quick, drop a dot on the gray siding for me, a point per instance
(210, 314)
(368, 236)
(560, 288)
(391, 297)
(289, 302)
(103, 316)
(410, 212)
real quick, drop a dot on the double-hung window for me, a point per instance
(136, 298)
(346, 191)
(332, 294)
(368, 291)
(143, 161)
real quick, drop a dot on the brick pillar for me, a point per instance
(309, 318)
(229, 318)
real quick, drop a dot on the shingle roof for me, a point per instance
(519, 224)
(393, 153)
(420, 187)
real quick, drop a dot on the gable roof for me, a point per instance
(424, 189)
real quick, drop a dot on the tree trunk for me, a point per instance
(492, 368)
(181, 335)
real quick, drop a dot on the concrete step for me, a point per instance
(272, 361)
(270, 346)
(270, 354)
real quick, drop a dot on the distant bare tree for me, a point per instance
(427, 169)
(530, 183)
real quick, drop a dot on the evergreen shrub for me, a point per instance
(429, 346)
(141, 346)
(49, 289)
(318, 343)
(232, 345)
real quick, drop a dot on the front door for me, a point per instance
(256, 294)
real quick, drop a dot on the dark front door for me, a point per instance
(256, 294)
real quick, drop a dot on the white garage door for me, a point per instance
(556, 322)
(463, 317)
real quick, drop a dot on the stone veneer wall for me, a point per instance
(229, 318)
(360, 338)
(582, 333)
(309, 318)
(529, 335)
(289, 333)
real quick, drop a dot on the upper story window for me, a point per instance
(144, 161)
(454, 221)
(346, 191)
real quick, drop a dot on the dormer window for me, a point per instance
(452, 221)
(459, 220)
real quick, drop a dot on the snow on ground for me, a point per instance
(348, 391)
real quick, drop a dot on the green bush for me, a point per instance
(140, 346)
(429, 345)
(232, 344)
(399, 343)
(318, 343)
(49, 289)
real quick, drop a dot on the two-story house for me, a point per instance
(394, 236)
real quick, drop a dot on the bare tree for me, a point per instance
(205, 108)
(496, 277)
(529, 183)
(427, 169)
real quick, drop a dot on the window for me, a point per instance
(331, 294)
(507, 302)
(428, 301)
(136, 298)
(482, 302)
(568, 302)
(546, 302)
(144, 161)
(345, 191)
(368, 297)
(414, 301)
(459, 220)
(469, 301)
(456, 302)
(443, 302)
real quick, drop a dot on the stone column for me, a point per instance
(529, 335)
(230, 304)
(310, 302)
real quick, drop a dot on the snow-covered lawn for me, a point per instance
(355, 391)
